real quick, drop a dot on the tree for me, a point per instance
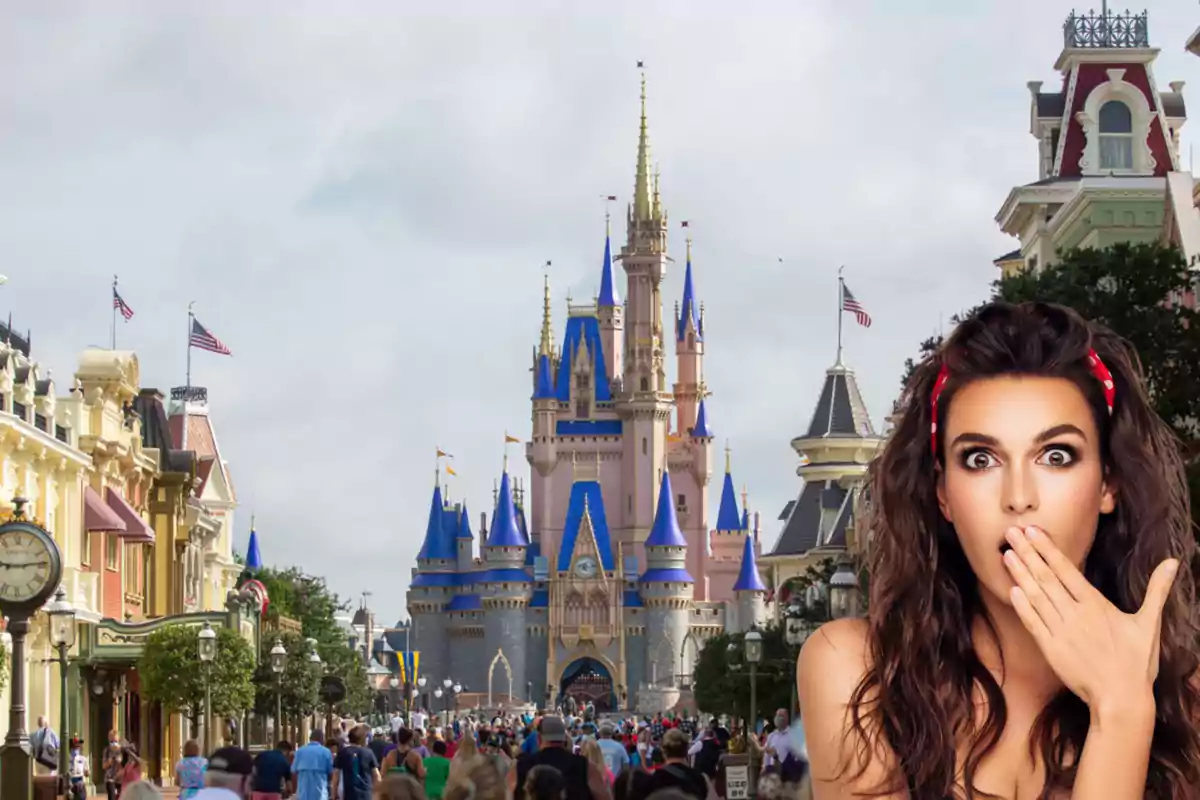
(1132, 289)
(309, 601)
(301, 678)
(721, 678)
(172, 674)
(348, 665)
(305, 599)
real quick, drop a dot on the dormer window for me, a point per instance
(1116, 136)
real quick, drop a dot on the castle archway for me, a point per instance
(500, 660)
(588, 680)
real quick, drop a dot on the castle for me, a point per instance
(601, 582)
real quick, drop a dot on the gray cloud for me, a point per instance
(360, 198)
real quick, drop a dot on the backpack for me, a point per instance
(45, 752)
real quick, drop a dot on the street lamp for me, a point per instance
(207, 644)
(278, 663)
(753, 642)
(843, 590)
(447, 683)
(796, 634)
(394, 682)
(437, 693)
(62, 636)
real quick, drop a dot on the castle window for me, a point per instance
(1116, 136)
(644, 445)
(645, 384)
(581, 409)
(681, 503)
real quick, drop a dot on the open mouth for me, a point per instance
(1005, 547)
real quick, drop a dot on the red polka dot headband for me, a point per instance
(1095, 365)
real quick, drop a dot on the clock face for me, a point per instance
(26, 565)
(585, 567)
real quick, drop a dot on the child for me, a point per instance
(77, 770)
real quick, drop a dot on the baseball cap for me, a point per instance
(233, 760)
(552, 730)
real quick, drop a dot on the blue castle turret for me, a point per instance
(505, 588)
(435, 582)
(749, 588)
(666, 589)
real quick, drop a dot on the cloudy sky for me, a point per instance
(360, 198)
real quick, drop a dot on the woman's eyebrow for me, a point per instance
(1059, 430)
(971, 437)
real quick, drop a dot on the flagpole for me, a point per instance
(114, 315)
(841, 305)
(188, 382)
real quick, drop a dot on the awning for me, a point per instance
(97, 516)
(136, 530)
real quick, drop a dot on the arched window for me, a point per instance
(1116, 136)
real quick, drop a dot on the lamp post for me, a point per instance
(278, 664)
(754, 654)
(457, 690)
(843, 590)
(437, 693)
(206, 641)
(62, 636)
(796, 634)
(314, 658)
(394, 682)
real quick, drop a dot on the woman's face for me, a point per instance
(1020, 452)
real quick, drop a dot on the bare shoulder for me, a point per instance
(831, 667)
(833, 660)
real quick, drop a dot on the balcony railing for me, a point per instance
(1106, 29)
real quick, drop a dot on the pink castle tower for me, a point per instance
(602, 398)
(728, 539)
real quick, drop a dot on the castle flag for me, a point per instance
(511, 439)
(450, 471)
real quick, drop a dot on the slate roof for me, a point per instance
(587, 330)
(540, 598)
(156, 432)
(438, 542)
(609, 296)
(465, 602)
(748, 579)
(688, 309)
(544, 390)
(819, 517)
(14, 339)
(506, 529)
(589, 491)
(702, 429)
(464, 524)
(253, 555)
(840, 409)
(1050, 104)
(728, 516)
(665, 532)
(588, 427)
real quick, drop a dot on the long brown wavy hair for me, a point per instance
(917, 695)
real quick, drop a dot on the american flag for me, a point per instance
(849, 303)
(204, 340)
(120, 305)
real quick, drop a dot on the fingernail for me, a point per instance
(1032, 533)
(1172, 567)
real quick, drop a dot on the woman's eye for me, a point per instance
(978, 459)
(1057, 456)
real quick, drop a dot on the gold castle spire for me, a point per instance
(642, 198)
(547, 331)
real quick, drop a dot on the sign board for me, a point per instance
(737, 782)
(333, 690)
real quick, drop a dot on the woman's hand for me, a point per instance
(1102, 654)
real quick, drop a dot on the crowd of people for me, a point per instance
(544, 756)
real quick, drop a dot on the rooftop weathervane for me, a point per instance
(1105, 29)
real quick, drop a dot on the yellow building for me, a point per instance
(144, 526)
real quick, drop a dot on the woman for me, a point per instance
(1027, 635)
(590, 749)
(403, 759)
(189, 772)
